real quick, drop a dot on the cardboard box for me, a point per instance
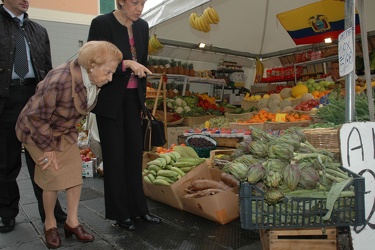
(168, 194)
(222, 207)
(89, 168)
(214, 153)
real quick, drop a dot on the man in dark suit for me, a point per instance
(17, 85)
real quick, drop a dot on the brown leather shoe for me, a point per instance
(52, 238)
(79, 232)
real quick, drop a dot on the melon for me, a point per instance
(286, 93)
(299, 90)
(307, 96)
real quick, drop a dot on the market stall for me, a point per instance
(314, 106)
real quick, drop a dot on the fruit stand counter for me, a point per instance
(221, 141)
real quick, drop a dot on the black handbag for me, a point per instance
(153, 131)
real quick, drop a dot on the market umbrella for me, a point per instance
(314, 22)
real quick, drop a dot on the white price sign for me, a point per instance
(346, 51)
(357, 145)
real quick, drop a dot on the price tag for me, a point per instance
(280, 117)
(346, 51)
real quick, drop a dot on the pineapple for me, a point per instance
(187, 90)
(191, 69)
(172, 64)
(180, 68)
(164, 63)
(185, 68)
(158, 66)
(150, 64)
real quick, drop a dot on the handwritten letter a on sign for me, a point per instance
(357, 144)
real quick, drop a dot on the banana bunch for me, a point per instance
(154, 45)
(169, 168)
(202, 23)
(259, 70)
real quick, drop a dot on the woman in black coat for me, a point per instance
(118, 113)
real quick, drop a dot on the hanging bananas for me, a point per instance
(213, 15)
(259, 70)
(192, 18)
(154, 45)
(202, 23)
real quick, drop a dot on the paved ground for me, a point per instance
(179, 230)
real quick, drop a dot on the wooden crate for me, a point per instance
(248, 104)
(196, 121)
(236, 125)
(238, 117)
(285, 125)
(303, 238)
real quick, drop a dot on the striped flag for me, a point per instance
(314, 22)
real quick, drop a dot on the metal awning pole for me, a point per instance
(349, 78)
(366, 59)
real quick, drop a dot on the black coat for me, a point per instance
(106, 27)
(38, 41)
(118, 113)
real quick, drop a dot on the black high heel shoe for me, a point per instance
(150, 218)
(128, 224)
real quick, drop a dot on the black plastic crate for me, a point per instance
(255, 213)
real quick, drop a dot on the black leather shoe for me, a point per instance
(60, 216)
(128, 224)
(151, 218)
(7, 225)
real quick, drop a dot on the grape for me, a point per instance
(200, 142)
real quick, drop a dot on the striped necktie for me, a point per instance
(21, 66)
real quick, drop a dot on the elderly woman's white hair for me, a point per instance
(97, 53)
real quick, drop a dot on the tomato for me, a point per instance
(311, 102)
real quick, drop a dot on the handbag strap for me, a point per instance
(147, 114)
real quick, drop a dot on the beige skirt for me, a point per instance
(69, 173)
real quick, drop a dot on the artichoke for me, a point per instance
(236, 153)
(248, 160)
(289, 139)
(274, 164)
(238, 170)
(244, 145)
(296, 133)
(255, 173)
(226, 167)
(280, 150)
(258, 149)
(273, 196)
(260, 185)
(291, 175)
(260, 135)
(309, 178)
(273, 179)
